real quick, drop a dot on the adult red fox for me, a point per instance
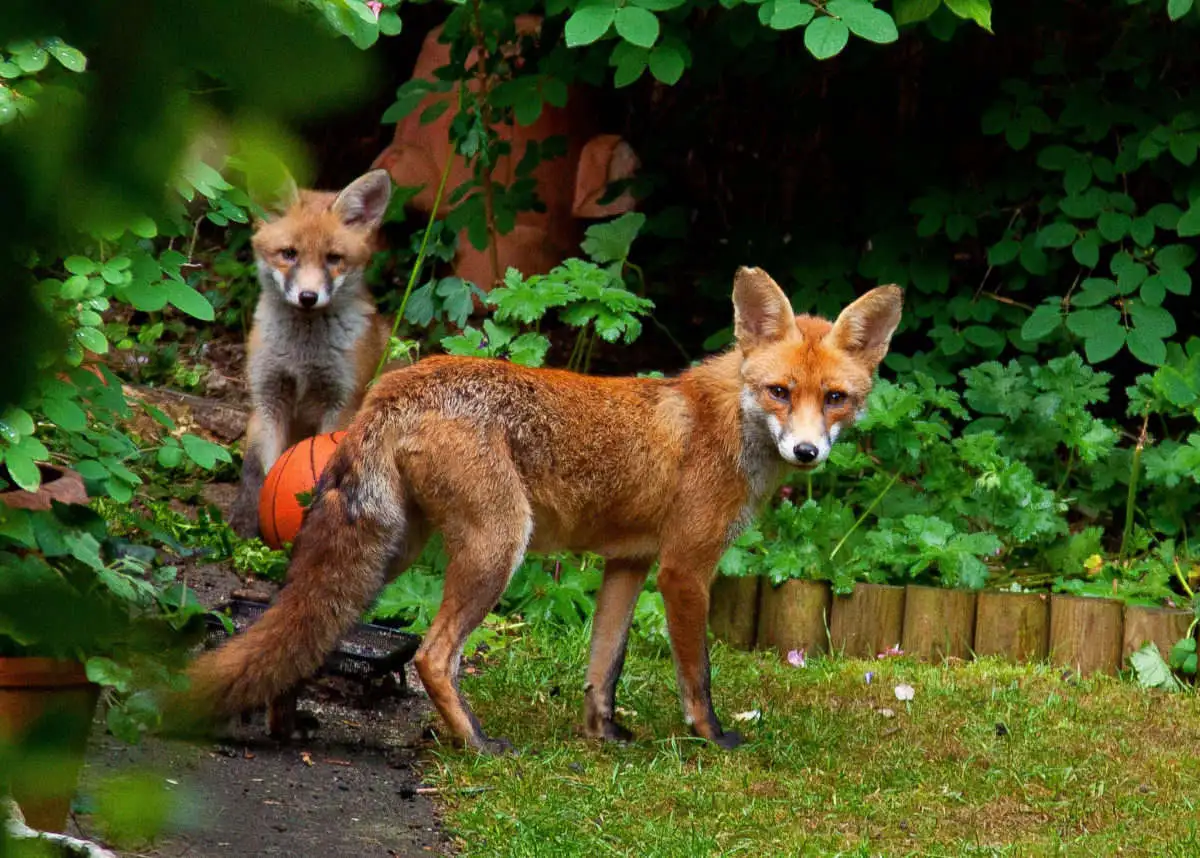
(504, 459)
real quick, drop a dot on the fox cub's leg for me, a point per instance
(623, 581)
(683, 579)
(266, 439)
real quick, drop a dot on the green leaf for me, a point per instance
(1094, 291)
(80, 265)
(667, 64)
(864, 20)
(204, 453)
(1044, 321)
(911, 11)
(188, 300)
(631, 62)
(610, 242)
(170, 457)
(20, 420)
(590, 22)
(1059, 234)
(70, 58)
(825, 37)
(1146, 347)
(979, 11)
(1114, 225)
(1176, 9)
(1153, 320)
(65, 414)
(638, 26)
(659, 5)
(105, 671)
(1189, 223)
(92, 340)
(1148, 664)
(1175, 256)
(789, 14)
(23, 470)
(1175, 280)
(1142, 231)
(1003, 252)
(1173, 386)
(1087, 249)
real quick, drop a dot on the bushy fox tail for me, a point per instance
(353, 530)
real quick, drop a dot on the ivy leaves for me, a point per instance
(646, 44)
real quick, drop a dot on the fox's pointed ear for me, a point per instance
(865, 328)
(762, 314)
(363, 202)
(277, 197)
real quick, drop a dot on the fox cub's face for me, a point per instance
(321, 240)
(804, 378)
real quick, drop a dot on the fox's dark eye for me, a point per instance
(288, 254)
(778, 391)
(333, 258)
(835, 397)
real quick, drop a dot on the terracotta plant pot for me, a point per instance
(1160, 626)
(1015, 626)
(44, 696)
(733, 610)
(794, 615)
(58, 484)
(868, 621)
(938, 623)
(1086, 633)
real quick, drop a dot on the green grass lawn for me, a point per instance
(987, 759)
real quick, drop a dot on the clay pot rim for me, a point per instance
(35, 671)
(47, 470)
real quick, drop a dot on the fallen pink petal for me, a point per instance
(797, 658)
(891, 652)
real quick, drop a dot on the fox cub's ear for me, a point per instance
(762, 314)
(865, 328)
(363, 202)
(276, 194)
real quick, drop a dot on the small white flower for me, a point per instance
(904, 692)
(751, 715)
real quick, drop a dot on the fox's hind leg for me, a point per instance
(623, 581)
(471, 491)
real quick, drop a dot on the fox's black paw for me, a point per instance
(495, 747)
(729, 740)
(609, 731)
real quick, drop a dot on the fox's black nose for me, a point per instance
(805, 453)
(308, 299)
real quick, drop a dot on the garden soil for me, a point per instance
(349, 790)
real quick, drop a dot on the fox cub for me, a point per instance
(316, 338)
(503, 459)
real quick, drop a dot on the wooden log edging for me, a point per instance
(868, 621)
(938, 623)
(1077, 632)
(733, 610)
(794, 616)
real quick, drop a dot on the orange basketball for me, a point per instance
(296, 472)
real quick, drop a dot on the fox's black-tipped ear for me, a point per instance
(762, 314)
(865, 328)
(277, 197)
(364, 201)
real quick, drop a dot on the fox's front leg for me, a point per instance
(683, 580)
(623, 581)
(266, 437)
